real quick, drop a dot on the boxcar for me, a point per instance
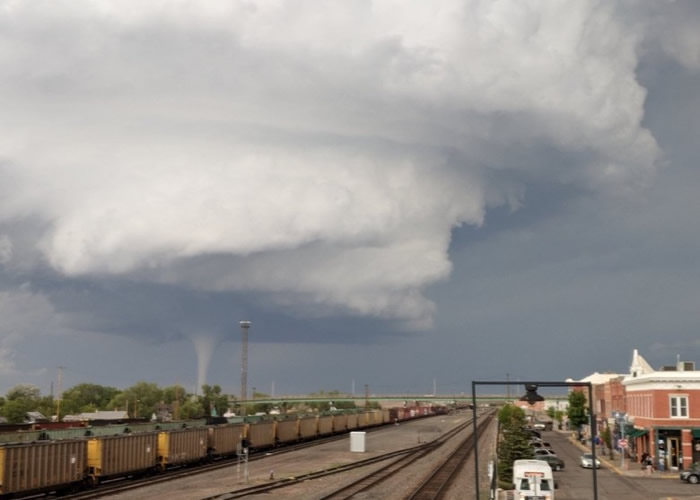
(386, 418)
(113, 456)
(377, 417)
(340, 423)
(325, 425)
(182, 446)
(308, 427)
(261, 435)
(352, 421)
(288, 430)
(23, 468)
(225, 440)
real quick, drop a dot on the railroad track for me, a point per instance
(399, 460)
(439, 481)
(130, 483)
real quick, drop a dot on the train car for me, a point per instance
(352, 421)
(21, 437)
(68, 433)
(118, 456)
(226, 440)
(308, 427)
(261, 435)
(24, 468)
(365, 419)
(180, 447)
(106, 430)
(378, 417)
(136, 428)
(340, 423)
(325, 425)
(287, 430)
(386, 418)
(171, 426)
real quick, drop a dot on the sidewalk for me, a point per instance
(633, 469)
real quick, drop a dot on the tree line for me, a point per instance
(141, 400)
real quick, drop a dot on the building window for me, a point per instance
(679, 406)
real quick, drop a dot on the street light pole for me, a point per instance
(531, 397)
(245, 325)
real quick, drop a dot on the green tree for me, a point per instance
(23, 391)
(559, 417)
(141, 399)
(192, 408)
(577, 410)
(19, 400)
(87, 397)
(514, 442)
(15, 410)
(606, 436)
(212, 398)
(551, 412)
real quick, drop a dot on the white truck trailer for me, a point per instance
(533, 480)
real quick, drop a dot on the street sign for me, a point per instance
(622, 443)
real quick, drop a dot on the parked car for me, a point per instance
(539, 426)
(692, 475)
(543, 451)
(586, 461)
(554, 461)
(540, 444)
(534, 433)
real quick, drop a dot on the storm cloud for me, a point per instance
(315, 155)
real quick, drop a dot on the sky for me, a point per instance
(397, 194)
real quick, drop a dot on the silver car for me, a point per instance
(586, 461)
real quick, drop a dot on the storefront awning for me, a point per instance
(636, 433)
(696, 433)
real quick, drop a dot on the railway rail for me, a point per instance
(401, 459)
(127, 484)
(439, 481)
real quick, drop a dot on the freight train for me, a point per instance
(69, 459)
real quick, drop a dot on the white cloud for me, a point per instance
(318, 151)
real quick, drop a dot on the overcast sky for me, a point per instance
(391, 191)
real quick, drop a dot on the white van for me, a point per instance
(532, 479)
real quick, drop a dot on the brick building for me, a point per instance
(664, 408)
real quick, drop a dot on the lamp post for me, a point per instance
(245, 325)
(531, 396)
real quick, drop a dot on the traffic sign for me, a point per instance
(622, 443)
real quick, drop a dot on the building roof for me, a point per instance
(98, 415)
(643, 377)
(639, 365)
(596, 378)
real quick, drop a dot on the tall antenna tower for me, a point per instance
(245, 326)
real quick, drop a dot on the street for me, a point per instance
(576, 483)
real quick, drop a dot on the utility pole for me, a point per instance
(176, 403)
(245, 325)
(508, 387)
(353, 388)
(366, 395)
(59, 393)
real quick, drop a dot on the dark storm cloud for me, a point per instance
(165, 171)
